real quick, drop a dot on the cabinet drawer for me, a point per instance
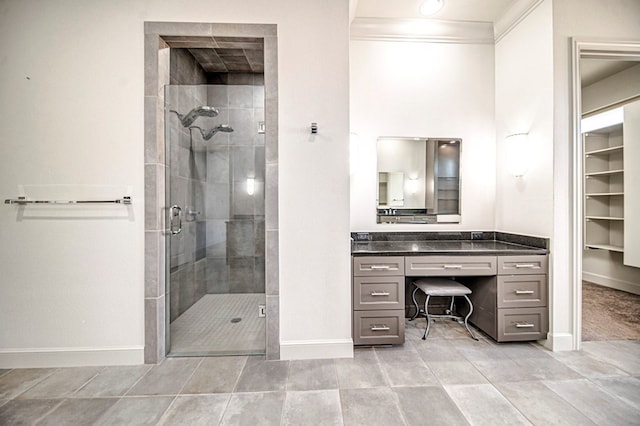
(366, 266)
(378, 293)
(522, 291)
(452, 266)
(522, 324)
(522, 265)
(378, 327)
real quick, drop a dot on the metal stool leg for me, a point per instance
(415, 302)
(467, 318)
(426, 312)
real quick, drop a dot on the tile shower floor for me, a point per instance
(448, 380)
(219, 324)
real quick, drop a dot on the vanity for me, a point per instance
(507, 274)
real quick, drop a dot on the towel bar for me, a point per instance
(23, 201)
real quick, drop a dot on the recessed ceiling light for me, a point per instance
(429, 7)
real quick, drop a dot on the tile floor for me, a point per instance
(447, 380)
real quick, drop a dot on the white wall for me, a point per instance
(428, 90)
(71, 112)
(524, 104)
(587, 19)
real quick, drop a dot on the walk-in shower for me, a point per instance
(216, 256)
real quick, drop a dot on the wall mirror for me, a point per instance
(418, 180)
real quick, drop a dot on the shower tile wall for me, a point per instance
(235, 218)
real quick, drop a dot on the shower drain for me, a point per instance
(234, 320)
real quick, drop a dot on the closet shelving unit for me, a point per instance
(604, 188)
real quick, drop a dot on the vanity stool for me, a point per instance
(434, 286)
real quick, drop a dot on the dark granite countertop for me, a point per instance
(457, 247)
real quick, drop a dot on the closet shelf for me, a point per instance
(605, 247)
(604, 173)
(603, 194)
(603, 218)
(605, 151)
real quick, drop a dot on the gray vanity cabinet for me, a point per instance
(512, 306)
(378, 300)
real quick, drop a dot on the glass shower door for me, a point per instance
(215, 205)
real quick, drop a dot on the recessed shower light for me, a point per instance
(430, 7)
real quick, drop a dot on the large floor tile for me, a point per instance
(264, 408)
(370, 407)
(263, 376)
(484, 405)
(456, 373)
(62, 383)
(318, 407)
(79, 411)
(625, 388)
(428, 405)
(26, 412)
(595, 403)
(15, 382)
(439, 350)
(166, 378)
(215, 375)
(622, 354)
(113, 381)
(316, 374)
(411, 373)
(587, 365)
(360, 372)
(547, 368)
(541, 405)
(194, 410)
(145, 410)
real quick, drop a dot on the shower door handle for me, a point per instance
(175, 215)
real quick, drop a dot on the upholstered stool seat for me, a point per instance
(435, 286)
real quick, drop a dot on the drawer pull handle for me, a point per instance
(524, 291)
(452, 266)
(524, 325)
(525, 265)
(380, 267)
(380, 328)
(379, 293)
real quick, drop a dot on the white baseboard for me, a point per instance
(611, 282)
(70, 357)
(559, 342)
(316, 349)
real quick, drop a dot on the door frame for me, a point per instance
(593, 49)
(156, 76)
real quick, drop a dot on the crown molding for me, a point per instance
(422, 30)
(511, 17)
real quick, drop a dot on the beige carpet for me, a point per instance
(609, 314)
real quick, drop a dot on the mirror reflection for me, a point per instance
(418, 180)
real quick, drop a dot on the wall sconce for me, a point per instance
(412, 185)
(517, 153)
(430, 7)
(251, 185)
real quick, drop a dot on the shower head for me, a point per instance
(199, 111)
(206, 135)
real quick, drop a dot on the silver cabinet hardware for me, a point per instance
(379, 293)
(382, 327)
(524, 325)
(377, 267)
(524, 291)
(525, 265)
(175, 215)
(452, 266)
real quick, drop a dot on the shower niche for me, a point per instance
(215, 216)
